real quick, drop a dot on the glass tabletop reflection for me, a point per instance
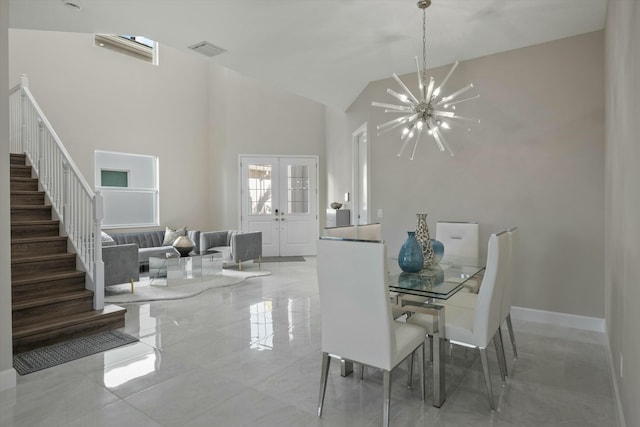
(439, 281)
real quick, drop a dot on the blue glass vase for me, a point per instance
(410, 258)
(438, 250)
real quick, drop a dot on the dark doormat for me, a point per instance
(297, 258)
(63, 352)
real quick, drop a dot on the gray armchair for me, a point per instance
(235, 246)
(120, 264)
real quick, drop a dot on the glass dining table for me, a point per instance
(424, 292)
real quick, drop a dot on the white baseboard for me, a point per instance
(7, 379)
(616, 390)
(563, 319)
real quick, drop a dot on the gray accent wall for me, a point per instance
(622, 226)
(7, 373)
(535, 161)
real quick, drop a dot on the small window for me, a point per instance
(129, 187)
(109, 178)
(136, 46)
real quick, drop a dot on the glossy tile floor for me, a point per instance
(249, 355)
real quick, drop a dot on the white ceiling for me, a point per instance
(325, 50)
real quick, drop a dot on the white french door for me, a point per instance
(279, 198)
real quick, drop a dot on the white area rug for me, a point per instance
(145, 291)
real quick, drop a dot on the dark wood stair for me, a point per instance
(49, 300)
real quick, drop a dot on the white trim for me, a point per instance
(7, 379)
(563, 319)
(616, 389)
(355, 166)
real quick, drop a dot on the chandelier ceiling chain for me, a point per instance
(430, 112)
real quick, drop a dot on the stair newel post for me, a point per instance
(24, 84)
(98, 264)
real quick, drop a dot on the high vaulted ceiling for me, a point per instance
(325, 50)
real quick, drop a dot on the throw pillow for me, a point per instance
(170, 235)
(106, 239)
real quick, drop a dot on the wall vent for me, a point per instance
(207, 49)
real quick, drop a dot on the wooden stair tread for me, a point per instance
(23, 178)
(36, 222)
(48, 257)
(111, 311)
(26, 192)
(31, 207)
(38, 239)
(30, 301)
(46, 277)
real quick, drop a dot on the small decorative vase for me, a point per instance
(184, 245)
(410, 258)
(422, 235)
(438, 250)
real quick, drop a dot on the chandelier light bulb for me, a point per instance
(428, 107)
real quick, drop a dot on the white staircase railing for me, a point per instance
(79, 209)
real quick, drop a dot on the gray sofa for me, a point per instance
(235, 246)
(150, 243)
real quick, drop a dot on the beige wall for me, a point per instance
(535, 161)
(97, 99)
(7, 374)
(249, 117)
(195, 116)
(623, 200)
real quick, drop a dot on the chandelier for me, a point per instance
(431, 112)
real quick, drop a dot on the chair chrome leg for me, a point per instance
(346, 368)
(487, 376)
(410, 369)
(361, 372)
(326, 361)
(513, 337)
(239, 265)
(421, 370)
(503, 356)
(260, 262)
(386, 385)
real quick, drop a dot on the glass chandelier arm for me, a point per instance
(446, 79)
(413, 153)
(405, 88)
(448, 104)
(427, 97)
(386, 127)
(432, 132)
(449, 114)
(455, 94)
(391, 106)
(439, 137)
(400, 97)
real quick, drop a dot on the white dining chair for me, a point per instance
(479, 325)
(355, 314)
(469, 300)
(460, 240)
(508, 290)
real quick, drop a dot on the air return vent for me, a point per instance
(207, 49)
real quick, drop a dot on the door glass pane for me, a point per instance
(259, 190)
(297, 189)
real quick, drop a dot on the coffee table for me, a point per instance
(172, 269)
